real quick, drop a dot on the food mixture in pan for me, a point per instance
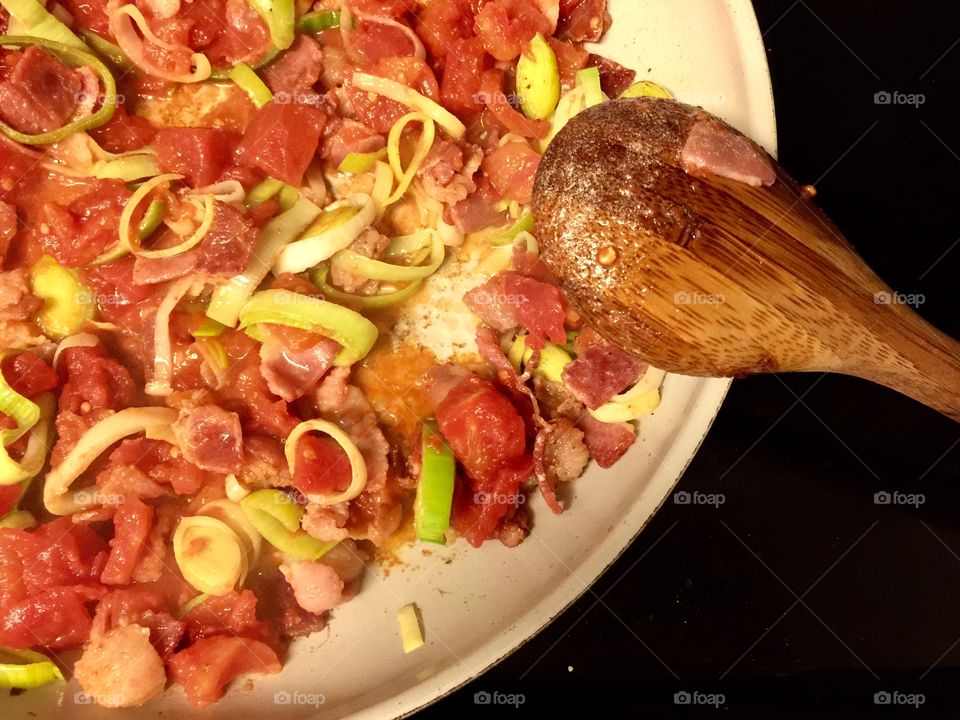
(270, 304)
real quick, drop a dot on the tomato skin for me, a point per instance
(480, 506)
(281, 139)
(321, 466)
(29, 375)
(482, 426)
(460, 88)
(201, 155)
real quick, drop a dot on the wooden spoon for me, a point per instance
(702, 274)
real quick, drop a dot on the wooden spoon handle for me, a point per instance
(915, 359)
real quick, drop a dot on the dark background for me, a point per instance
(799, 592)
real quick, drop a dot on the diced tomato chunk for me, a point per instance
(491, 87)
(480, 505)
(155, 459)
(234, 613)
(9, 494)
(29, 375)
(124, 132)
(75, 235)
(89, 14)
(372, 41)
(93, 377)
(482, 426)
(505, 26)
(512, 169)
(465, 63)
(570, 59)
(201, 155)
(205, 668)
(132, 522)
(441, 23)
(381, 113)
(281, 140)
(321, 466)
(115, 290)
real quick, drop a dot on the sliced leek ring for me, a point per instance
(358, 466)
(24, 669)
(209, 554)
(642, 399)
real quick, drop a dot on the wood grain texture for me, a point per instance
(703, 275)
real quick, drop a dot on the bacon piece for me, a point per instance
(316, 586)
(332, 392)
(16, 301)
(510, 299)
(206, 667)
(347, 137)
(297, 69)
(121, 668)
(474, 213)
(488, 345)
(292, 362)
(8, 227)
(145, 605)
(607, 442)
(559, 455)
(211, 438)
(614, 77)
(447, 171)
(41, 93)
(601, 372)
(583, 20)
(713, 148)
(327, 522)
(370, 243)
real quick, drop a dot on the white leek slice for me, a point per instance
(405, 175)
(38, 421)
(94, 441)
(209, 554)
(230, 513)
(642, 399)
(357, 264)
(411, 635)
(229, 299)
(126, 20)
(162, 350)
(339, 225)
(358, 466)
(412, 99)
(36, 21)
(128, 169)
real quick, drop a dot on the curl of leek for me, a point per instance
(25, 669)
(354, 332)
(333, 230)
(412, 99)
(357, 264)
(538, 79)
(230, 513)
(315, 22)
(73, 57)
(94, 441)
(229, 299)
(642, 399)
(367, 302)
(405, 175)
(277, 518)
(358, 466)
(209, 554)
(39, 24)
(553, 359)
(589, 80)
(431, 508)
(279, 16)
(132, 31)
(508, 236)
(160, 384)
(151, 218)
(128, 168)
(248, 81)
(131, 240)
(359, 162)
(30, 417)
(67, 303)
(263, 191)
(78, 340)
(107, 50)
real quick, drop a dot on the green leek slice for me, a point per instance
(279, 15)
(315, 22)
(248, 80)
(357, 162)
(363, 266)
(41, 24)
(646, 88)
(277, 518)
(25, 669)
(67, 303)
(431, 508)
(367, 302)
(538, 79)
(263, 191)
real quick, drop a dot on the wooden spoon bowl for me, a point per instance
(703, 274)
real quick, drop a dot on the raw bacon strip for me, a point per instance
(211, 438)
(293, 362)
(559, 455)
(713, 148)
(40, 94)
(614, 77)
(297, 69)
(601, 372)
(510, 299)
(583, 20)
(607, 442)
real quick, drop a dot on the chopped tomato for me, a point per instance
(479, 506)
(93, 379)
(460, 88)
(205, 668)
(56, 618)
(380, 113)
(124, 132)
(512, 169)
(29, 375)
(441, 23)
(482, 426)
(321, 466)
(115, 290)
(505, 26)
(281, 140)
(132, 522)
(9, 494)
(570, 59)
(492, 88)
(155, 459)
(75, 235)
(373, 41)
(228, 245)
(90, 15)
(146, 605)
(234, 613)
(201, 155)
